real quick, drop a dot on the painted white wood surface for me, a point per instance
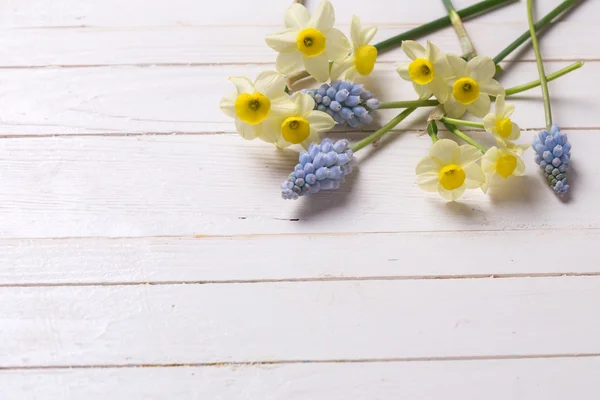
(122, 245)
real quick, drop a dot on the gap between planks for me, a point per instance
(291, 362)
(307, 280)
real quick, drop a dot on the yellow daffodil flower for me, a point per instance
(499, 123)
(309, 42)
(472, 86)
(255, 103)
(300, 127)
(500, 163)
(429, 70)
(450, 169)
(362, 59)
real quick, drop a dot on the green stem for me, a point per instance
(439, 23)
(456, 132)
(540, 66)
(461, 122)
(463, 37)
(562, 7)
(382, 131)
(509, 92)
(526, 86)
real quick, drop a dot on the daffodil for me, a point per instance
(429, 70)
(309, 42)
(472, 86)
(362, 59)
(299, 127)
(500, 163)
(256, 103)
(450, 169)
(499, 123)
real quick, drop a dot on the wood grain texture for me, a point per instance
(533, 379)
(424, 255)
(409, 320)
(223, 185)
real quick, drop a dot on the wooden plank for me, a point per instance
(223, 185)
(242, 44)
(373, 256)
(408, 320)
(531, 379)
(137, 14)
(185, 99)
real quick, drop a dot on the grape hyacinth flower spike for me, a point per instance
(348, 103)
(552, 154)
(322, 167)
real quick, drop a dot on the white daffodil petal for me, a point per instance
(242, 84)
(443, 150)
(403, 71)
(481, 68)
(467, 155)
(458, 65)
(509, 109)
(270, 83)
(429, 166)
(284, 41)
(352, 74)
(288, 63)
(320, 121)
(423, 91)
(367, 35)
(440, 89)
(489, 160)
(247, 131)
(493, 88)
(453, 108)
(312, 138)
(339, 67)
(451, 195)
(304, 103)
(338, 46)
(323, 18)
(317, 66)
(515, 133)
(282, 106)
(499, 106)
(474, 176)
(428, 183)
(481, 106)
(520, 169)
(271, 129)
(296, 16)
(413, 49)
(355, 28)
(228, 104)
(489, 123)
(282, 143)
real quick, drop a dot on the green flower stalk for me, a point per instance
(540, 66)
(465, 41)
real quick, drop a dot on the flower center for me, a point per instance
(365, 59)
(506, 165)
(452, 177)
(465, 90)
(252, 108)
(295, 129)
(504, 127)
(310, 42)
(421, 71)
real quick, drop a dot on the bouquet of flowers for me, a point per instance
(452, 85)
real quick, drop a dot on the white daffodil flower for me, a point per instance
(300, 127)
(255, 103)
(429, 70)
(472, 86)
(500, 163)
(499, 123)
(309, 42)
(362, 59)
(450, 169)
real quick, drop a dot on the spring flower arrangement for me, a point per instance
(452, 85)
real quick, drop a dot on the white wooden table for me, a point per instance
(146, 254)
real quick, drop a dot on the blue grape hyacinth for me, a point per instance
(346, 102)
(552, 154)
(322, 167)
